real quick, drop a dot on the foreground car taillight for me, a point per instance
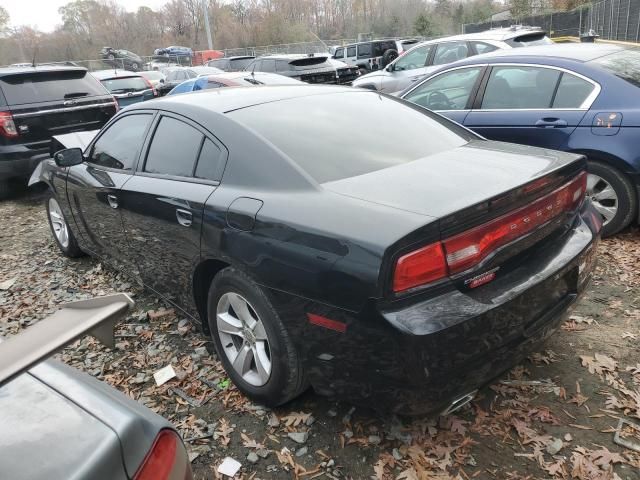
(465, 250)
(7, 125)
(155, 93)
(167, 459)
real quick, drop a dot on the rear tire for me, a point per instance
(60, 229)
(135, 67)
(285, 380)
(613, 195)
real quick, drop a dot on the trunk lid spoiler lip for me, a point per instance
(97, 316)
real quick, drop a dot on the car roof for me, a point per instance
(295, 56)
(107, 74)
(237, 57)
(578, 52)
(224, 100)
(38, 68)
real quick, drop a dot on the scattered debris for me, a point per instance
(624, 432)
(163, 375)
(298, 437)
(229, 467)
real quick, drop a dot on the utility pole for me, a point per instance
(206, 24)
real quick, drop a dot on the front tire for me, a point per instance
(251, 340)
(612, 195)
(60, 229)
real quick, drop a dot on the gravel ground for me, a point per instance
(552, 417)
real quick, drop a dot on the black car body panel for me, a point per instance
(43, 102)
(325, 242)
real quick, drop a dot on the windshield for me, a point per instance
(30, 87)
(624, 64)
(125, 84)
(331, 143)
(530, 40)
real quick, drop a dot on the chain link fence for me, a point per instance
(609, 19)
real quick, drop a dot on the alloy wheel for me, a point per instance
(58, 223)
(603, 197)
(243, 339)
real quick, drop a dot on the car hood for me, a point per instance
(446, 182)
(45, 435)
(370, 76)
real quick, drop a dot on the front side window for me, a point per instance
(520, 88)
(450, 52)
(415, 58)
(118, 147)
(339, 53)
(449, 91)
(174, 148)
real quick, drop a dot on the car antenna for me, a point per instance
(35, 52)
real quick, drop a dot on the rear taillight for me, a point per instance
(465, 250)
(150, 86)
(7, 125)
(167, 459)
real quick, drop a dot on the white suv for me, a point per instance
(430, 55)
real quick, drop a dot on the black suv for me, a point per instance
(123, 59)
(39, 102)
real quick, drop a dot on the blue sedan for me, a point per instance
(576, 98)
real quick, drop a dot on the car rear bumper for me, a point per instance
(420, 357)
(18, 161)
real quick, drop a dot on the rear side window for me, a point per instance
(413, 133)
(450, 52)
(520, 87)
(174, 148)
(482, 47)
(32, 87)
(268, 65)
(364, 50)
(282, 66)
(351, 51)
(572, 92)
(118, 147)
(209, 161)
(125, 85)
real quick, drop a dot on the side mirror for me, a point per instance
(68, 157)
(162, 80)
(390, 68)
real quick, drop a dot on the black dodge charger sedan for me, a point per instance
(390, 257)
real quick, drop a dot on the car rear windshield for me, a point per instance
(125, 84)
(32, 87)
(331, 143)
(529, 40)
(624, 64)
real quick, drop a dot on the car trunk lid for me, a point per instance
(477, 172)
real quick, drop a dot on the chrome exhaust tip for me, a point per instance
(459, 402)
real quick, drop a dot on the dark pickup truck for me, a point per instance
(39, 102)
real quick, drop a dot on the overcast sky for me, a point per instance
(43, 14)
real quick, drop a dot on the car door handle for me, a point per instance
(113, 201)
(185, 218)
(551, 123)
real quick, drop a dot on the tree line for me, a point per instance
(88, 25)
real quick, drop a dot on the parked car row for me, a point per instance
(576, 98)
